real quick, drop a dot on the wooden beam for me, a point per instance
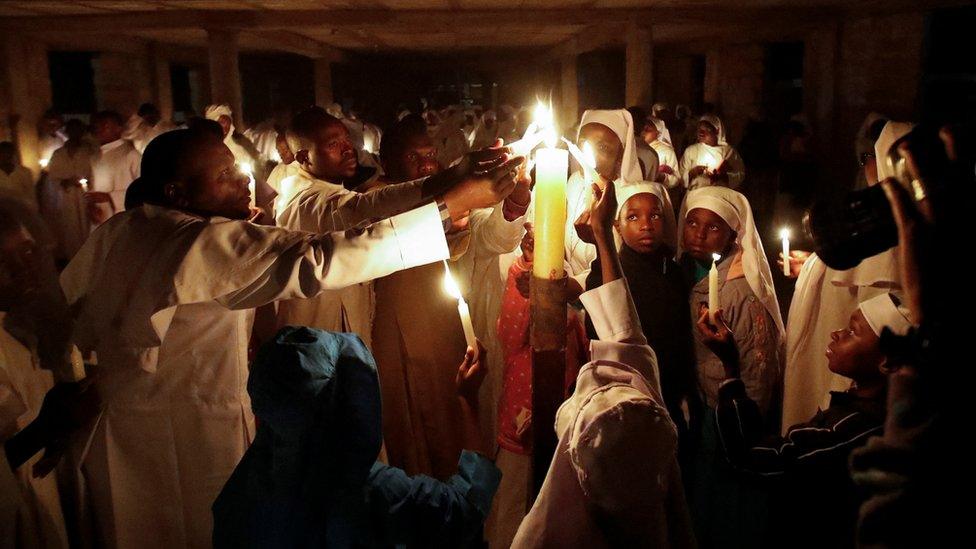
(386, 18)
(292, 42)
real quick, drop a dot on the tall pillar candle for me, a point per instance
(551, 165)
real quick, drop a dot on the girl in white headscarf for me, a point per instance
(824, 299)
(712, 161)
(658, 137)
(611, 135)
(716, 220)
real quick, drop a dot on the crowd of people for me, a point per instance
(210, 337)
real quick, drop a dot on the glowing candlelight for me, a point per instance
(463, 311)
(713, 288)
(248, 169)
(84, 184)
(44, 162)
(586, 161)
(784, 234)
(550, 202)
(275, 157)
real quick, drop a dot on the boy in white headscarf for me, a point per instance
(817, 498)
(824, 298)
(611, 135)
(718, 220)
(712, 161)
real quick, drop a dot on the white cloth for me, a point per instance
(114, 168)
(310, 204)
(733, 207)
(265, 139)
(621, 123)
(140, 133)
(882, 311)
(64, 208)
(722, 154)
(23, 385)
(667, 157)
(165, 298)
(606, 486)
(20, 184)
(670, 226)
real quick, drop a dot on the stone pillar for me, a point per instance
(225, 74)
(712, 77)
(323, 82)
(162, 82)
(26, 94)
(640, 65)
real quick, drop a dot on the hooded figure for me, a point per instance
(720, 157)
(579, 195)
(823, 300)
(665, 154)
(311, 479)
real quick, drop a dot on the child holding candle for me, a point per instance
(515, 404)
(712, 161)
(717, 220)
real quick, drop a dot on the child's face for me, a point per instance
(607, 149)
(706, 233)
(855, 351)
(707, 134)
(641, 223)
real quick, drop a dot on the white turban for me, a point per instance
(885, 311)
(214, 112)
(717, 123)
(620, 122)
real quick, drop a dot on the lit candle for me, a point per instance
(713, 289)
(84, 184)
(551, 165)
(585, 158)
(249, 170)
(77, 365)
(43, 162)
(784, 234)
(463, 311)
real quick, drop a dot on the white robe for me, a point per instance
(165, 298)
(140, 133)
(701, 154)
(19, 184)
(617, 450)
(47, 144)
(310, 204)
(667, 157)
(23, 385)
(63, 208)
(114, 168)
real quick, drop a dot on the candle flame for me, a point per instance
(83, 181)
(542, 115)
(43, 162)
(450, 286)
(247, 168)
(589, 155)
(716, 258)
(784, 234)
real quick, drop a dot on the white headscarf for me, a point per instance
(663, 131)
(335, 110)
(620, 122)
(717, 122)
(890, 134)
(733, 207)
(863, 142)
(626, 192)
(885, 311)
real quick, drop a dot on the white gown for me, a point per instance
(165, 298)
(115, 168)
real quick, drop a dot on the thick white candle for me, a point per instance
(785, 235)
(713, 304)
(463, 311)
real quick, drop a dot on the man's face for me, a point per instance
(332, 156)
(217, 186)
(607, 149)
(107, 130)
(226, 123)
(705, 233)
(641, 223)
(707, 134)
(855, 351)
(417, 159)
(20, 267)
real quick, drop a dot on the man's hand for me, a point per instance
(481, 179)
(471, 373)
(719, 339)
(522, 194)
(798, 259)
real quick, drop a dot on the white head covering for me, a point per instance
(214, 112)
(733, 207)
(885, 311)
(863, 143)
(658, 107)
(717, 122)
(662, 129)
(335, 110)
(890, 134)
(620, 122)
(626, 192)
